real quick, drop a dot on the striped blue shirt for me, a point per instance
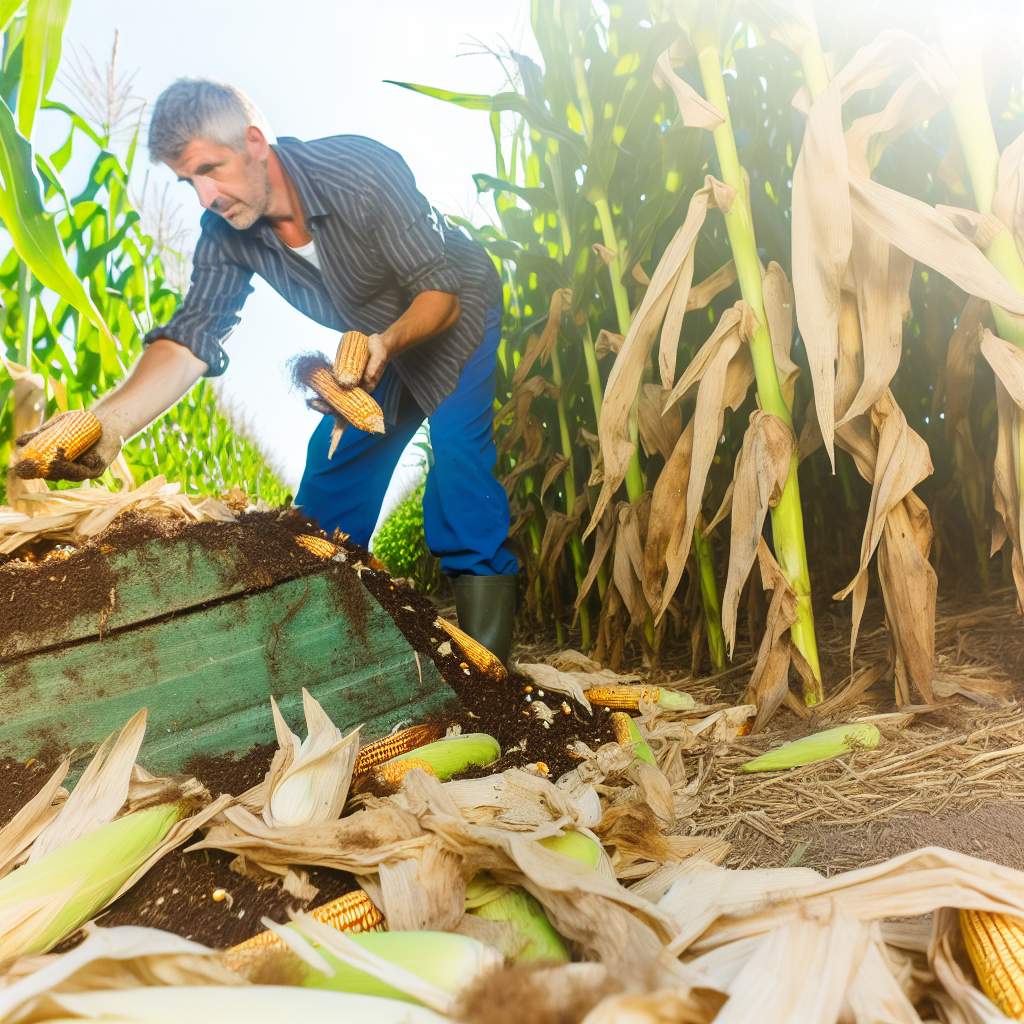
(379, 243)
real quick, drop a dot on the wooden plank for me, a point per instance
(207, 676)
(163, 577)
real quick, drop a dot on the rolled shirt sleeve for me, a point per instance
(408, 232)
(209, 312)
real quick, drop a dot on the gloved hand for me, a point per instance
(114, 426)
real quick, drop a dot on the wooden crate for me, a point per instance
(186, 637)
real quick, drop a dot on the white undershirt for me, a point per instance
(307, 252)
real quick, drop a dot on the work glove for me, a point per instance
(88, 464)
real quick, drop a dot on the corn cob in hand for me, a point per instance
(351, 358)
(51, 453)
(353, 405)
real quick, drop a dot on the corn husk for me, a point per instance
(78, 513)
(535, 938)
(256, 1004)
(309, 780)
(454, 754)
(821, 746)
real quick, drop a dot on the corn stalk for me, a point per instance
(787, 515)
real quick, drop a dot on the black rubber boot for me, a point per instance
(487, 607)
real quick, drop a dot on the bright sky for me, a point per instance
(316, 67)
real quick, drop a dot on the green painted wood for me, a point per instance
(158, 579)
(207, 676)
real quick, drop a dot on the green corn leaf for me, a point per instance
(44, 32)
(31, 229)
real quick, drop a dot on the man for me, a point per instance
(339, 229)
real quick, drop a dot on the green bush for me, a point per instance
(401, 545)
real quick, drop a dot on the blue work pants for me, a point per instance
(465, 509)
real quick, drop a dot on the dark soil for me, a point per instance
(19, 782)
(177, 895)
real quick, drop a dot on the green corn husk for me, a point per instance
(455, 754)
(492, 901)
(48, 899)
(673, 700)
(641, 750)
(822, 746)
(575, 845)
(445, 960)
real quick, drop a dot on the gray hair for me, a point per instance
(196, 108)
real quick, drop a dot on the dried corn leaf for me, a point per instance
(895, 459)
(768, 685)
(539, 347)
(670, 285)
(761, 471)
(659, 428)
(694, 109)
(79, 513)
(1007, 362)
(722, 372)
(628, 557)
(706, 291)
(21, 831)
(101, 792)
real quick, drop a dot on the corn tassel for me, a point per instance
(351, 359)
(474, 652)
(353, 912)
(821, 746)
(627, 734)
(73, 434)
(353, 404)
(995, 944)
(628, 698)
(398, 743)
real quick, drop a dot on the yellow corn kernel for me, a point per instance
(353, 404)
(350, 361)
(995, 944)
(73, 434)
(476, 654)
(353, 912)
(620, 728)
(402, 742)
(389, 775)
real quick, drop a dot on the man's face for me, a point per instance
(232, 183)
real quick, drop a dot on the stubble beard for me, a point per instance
(250, 211)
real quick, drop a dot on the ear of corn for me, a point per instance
(995, 945)
(351, 359)
(627, 734)
(454, 754)
(513, 906)
(354, 404)
(402, 742)
(72, 435)
(319, 546)
(473, 651)
(822, 746)
(49, 898)
(353, 912)
(628, 697)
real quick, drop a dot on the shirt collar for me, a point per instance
(290, 152)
